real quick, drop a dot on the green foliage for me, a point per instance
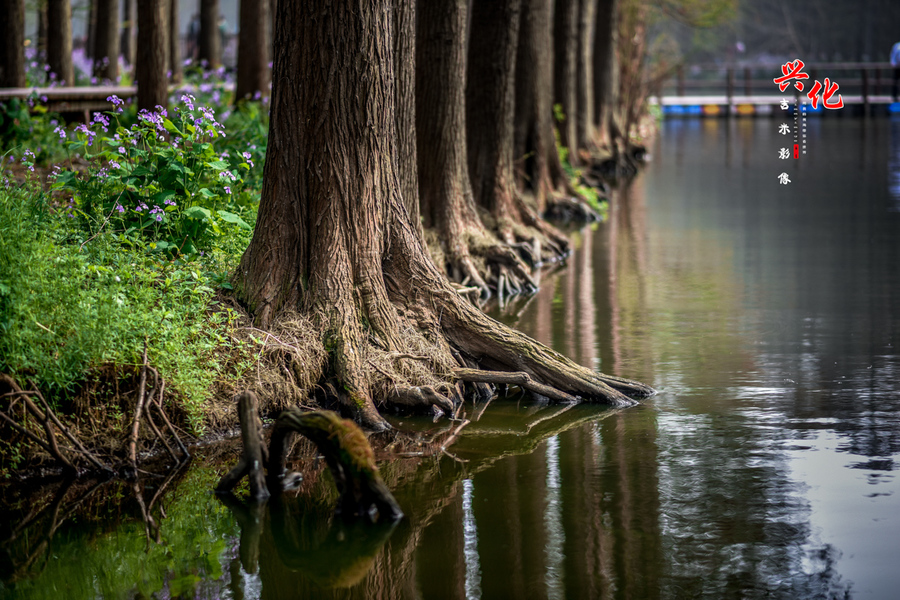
(27, 124)
(69, 304)
(197, 533)
(163, 181)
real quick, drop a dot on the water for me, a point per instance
(767, 317)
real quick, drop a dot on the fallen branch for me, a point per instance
(135, 427)
(519, 378)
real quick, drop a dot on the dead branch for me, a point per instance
(519, 378)
(135, 427)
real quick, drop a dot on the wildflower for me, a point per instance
(247, 157)
(140, 207)
(121, 209)
(227, 189)
(43, 98)
(188, 101)
(102, 120)
(61, 132)
(116, 101)
(86, 131)
(121, 150)
(170, 202)
(114, 164)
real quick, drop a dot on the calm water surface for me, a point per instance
(766, 315)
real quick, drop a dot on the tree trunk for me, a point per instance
(59, 41)
(151, 61)
(42, 28)
(253, 59)
(128, 29)
(604, 68)
(334, 241)
(175, 70)
(106, 40)
(404, 24)
(584, 103)
(12, 44)
(90, 37)
(209, 44)
(539, 167)
(565, 56)
(490, 117)
(471, 253)
(490, 101)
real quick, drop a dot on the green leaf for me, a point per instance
(229, 217)
(221, 165)
(160, 198)
(198, 212)
(206, 193)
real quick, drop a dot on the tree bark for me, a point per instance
(151, 61)
(565, 51)
(175, 69)
(584, 103)
(209, 44)
(490, 117)
(333, 239)
(404, 24)
(128, 28)
(106, 40)
(604, 68)
(490, 112)
(539, 166)
(59, 41)
(42, 28)
(12, 44)
(253, 59)
(90, 37)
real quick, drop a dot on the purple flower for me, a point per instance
(121, 150)
(114, 164)
(120, 208)
(61, 132)
(227, 189)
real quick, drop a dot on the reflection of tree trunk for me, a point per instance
(59, 40)
(569, 298)
(587, 322)
(12, 39)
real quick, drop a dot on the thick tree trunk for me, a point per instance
(151, 62)
(604, 68)
(106, 40)
(209, 43)
(490, 107)
(538, 164)
(12, 40)
(253, 59)
(584, 103)
(90, 37)
(59, 40)
(445, 191)
(404, 24)
(128, 29)
(175, 69)
(42, 28)
(490, 118)
(565, 56)
(334, 240)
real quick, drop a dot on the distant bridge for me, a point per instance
(723, 90)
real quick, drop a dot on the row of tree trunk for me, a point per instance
(158, 59)
(339, 233)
